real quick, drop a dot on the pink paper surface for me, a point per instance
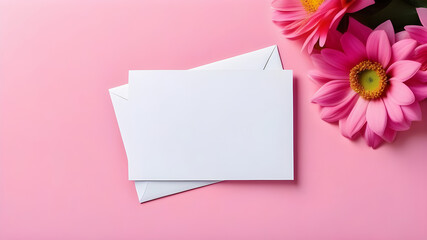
(63, 171)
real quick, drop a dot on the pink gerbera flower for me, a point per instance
(419, 33)
(312, 19)
(369, 85)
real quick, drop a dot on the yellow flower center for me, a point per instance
(368, 79)
(311, 5)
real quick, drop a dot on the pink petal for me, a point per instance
(308, 43)
(288, 16)
(353, 47)
(421, 50)
(421, 56)
(393, 110)
(323, 77)
(420, 76)
(412, 112)
(336, 58)
(387, 26)
(418, 85)
(324, 32)
(312, 43)
(372, 139)
(331, 93)
(422, 15)
(320, 63)
(399, 126)
(418, 33)
(356, 119)
(359, 5)
(290, 26)
(287, 5)
(309, 24)
(292, 34)
(419, 89)
(376, 116)
(333, 40)
(337, 18)
(378, 47)
(322, 38)
(319, 77)
(358, 30)
(403, 49)
(402, 35)
(286, 26)
(389, 135)
(400, 93)
(297, 32)
(403, 70)
(340, 111)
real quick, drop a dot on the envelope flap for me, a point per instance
(256, 60)
(141, 188)
(274, 62)
(121, 91)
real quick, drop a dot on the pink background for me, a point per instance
(63, 171)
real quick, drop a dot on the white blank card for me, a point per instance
(211, 125)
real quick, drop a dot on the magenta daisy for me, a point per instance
(312, 19)
(368, 83)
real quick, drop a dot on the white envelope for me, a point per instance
(267, 58)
